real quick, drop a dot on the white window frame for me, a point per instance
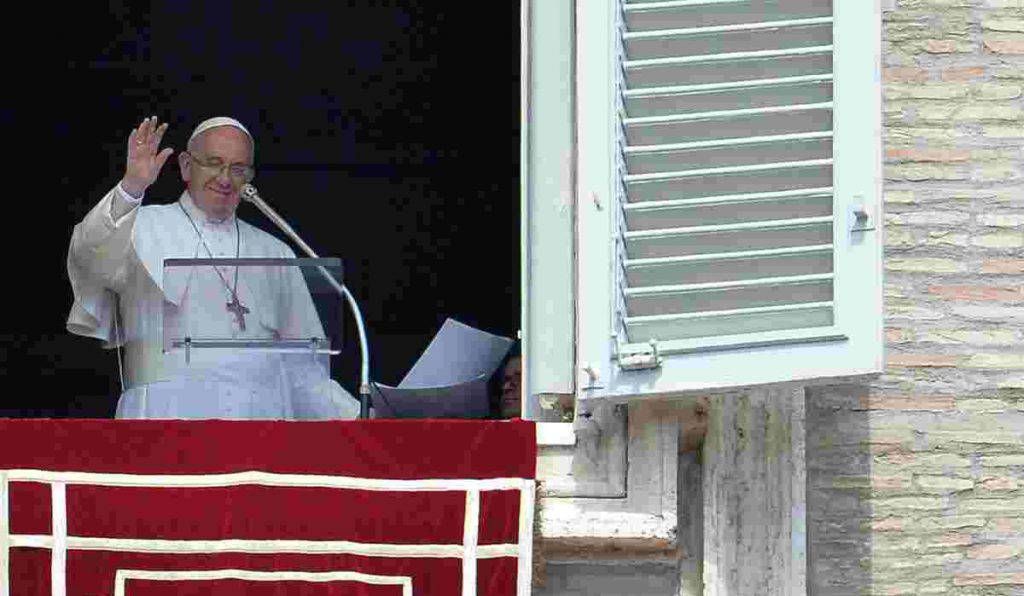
(547, 168)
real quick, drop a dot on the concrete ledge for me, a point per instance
(555, 434)
(591, 550)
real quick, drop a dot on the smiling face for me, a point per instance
(215, 191)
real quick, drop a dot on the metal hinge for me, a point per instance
(642, 360)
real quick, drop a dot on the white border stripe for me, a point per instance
(470, 537)
(123, 575)
(366, 549)
(59, 550)
(59, 542)
(5, 533)
(266, 479)
(524, 578)
(496, 551)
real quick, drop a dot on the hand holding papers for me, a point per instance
(450, 378)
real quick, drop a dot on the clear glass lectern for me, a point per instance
(267, 326)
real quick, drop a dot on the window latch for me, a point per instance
(642, 360)
(860, 215)
(593, 377)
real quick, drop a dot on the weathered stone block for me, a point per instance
(1007, 525)
(971, 112)
(932, 154)
(900, 134)
(923, 360)
(895, 312)
(1003, 43)
(933, 5)
(1001, 220)
(919, 565)
(927, 588)
(929, 462)
(949, 540)
(999, 240)
(996, 172)
(924, 171)
(988, 579)
(945, 523)
(886, 401)
(1002, 131)
(975, 437)
(946, 238)
(1000, 483)
(946, 336)
(925, 265)
(1003, 24)
(961, 74)
(997, 91)
(906, 504)
(945, 46)
(1010, 266)
(982, 405)
(945, 91)
(991, 551)
(985, 293)
(904, 74)
(889, 524)
(942, 484)
(904, 197)
(991, 506)
(1012, 384)
(997, 461)
(1006, 361)
(929, 218)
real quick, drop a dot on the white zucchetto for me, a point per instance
(209, 123)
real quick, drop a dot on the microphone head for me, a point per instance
(249, 192)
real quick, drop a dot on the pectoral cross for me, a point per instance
(239, 310)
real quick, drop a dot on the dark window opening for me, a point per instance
(387, 133)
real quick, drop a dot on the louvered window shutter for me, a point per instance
(738, 220)
(726, 138)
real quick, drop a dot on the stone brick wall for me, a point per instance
(916, 482)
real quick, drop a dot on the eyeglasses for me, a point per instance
(237, 172)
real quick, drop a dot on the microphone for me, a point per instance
(250, 194)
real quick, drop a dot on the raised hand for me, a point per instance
(144, 162)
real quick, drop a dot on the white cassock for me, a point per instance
(126, 256)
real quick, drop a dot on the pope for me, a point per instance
(124, 296)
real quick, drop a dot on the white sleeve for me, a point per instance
(101, 243)
(99, 257)
(124, 206)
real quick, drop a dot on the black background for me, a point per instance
(387, 133)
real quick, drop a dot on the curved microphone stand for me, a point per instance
(250, 194)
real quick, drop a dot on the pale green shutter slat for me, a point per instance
(730, 266)
(730, 295)
(748, 320)
(651, 215)
(647, 16)
(723, 239)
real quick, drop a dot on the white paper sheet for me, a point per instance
(458, 353)
(449, 380)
